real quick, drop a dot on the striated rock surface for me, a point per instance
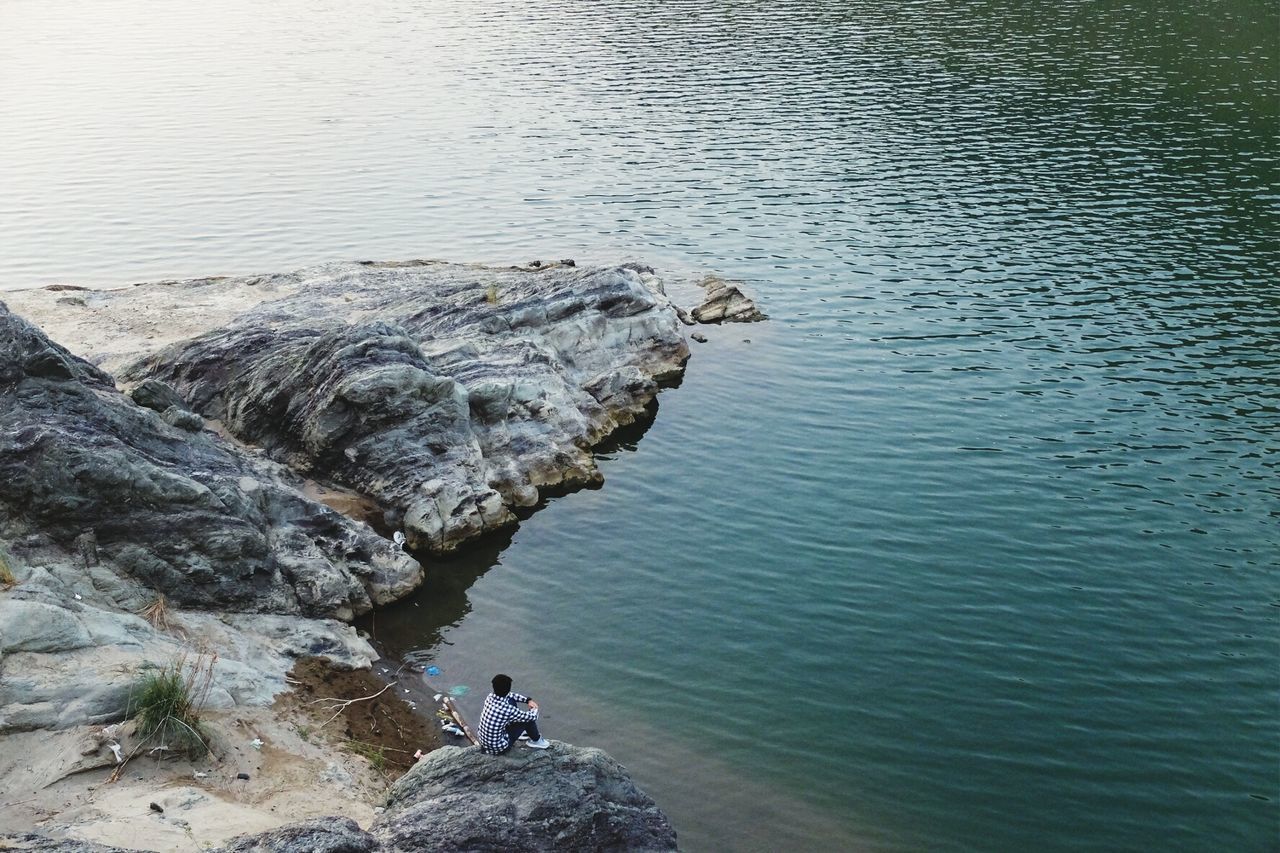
(448, 393)
(325, 835)
(725, 302)
(103, 505)
(179, 512)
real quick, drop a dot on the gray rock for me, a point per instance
(183, 419)
(725, 303)
(449, 394)
(165, 505)
(157, 396)
(323, 835)
(103, 505)
(565, 799)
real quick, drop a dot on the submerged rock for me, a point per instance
(450, 394)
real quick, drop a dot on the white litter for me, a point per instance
(256, 743)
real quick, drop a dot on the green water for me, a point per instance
(973, 546)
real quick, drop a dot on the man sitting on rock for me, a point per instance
(502, 722)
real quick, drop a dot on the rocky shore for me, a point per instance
(234, 468)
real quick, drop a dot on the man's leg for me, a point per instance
(514, 730)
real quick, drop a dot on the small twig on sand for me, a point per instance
(341, 705)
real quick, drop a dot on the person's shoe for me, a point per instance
(523, 736)
(540, 743)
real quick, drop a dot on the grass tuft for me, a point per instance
(167, 702)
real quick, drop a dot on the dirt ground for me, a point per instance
(305, 756)
(383, 729)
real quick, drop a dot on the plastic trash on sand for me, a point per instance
(433, 670)
(256, 743)
(459, 690)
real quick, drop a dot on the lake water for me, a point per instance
(973, 546)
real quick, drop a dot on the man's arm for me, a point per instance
(518, 697)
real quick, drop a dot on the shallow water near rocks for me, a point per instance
(972, 546)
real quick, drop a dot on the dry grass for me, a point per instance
(157, 613)
(7, 578)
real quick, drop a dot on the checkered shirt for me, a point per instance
(498, 713)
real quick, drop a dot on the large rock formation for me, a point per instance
(104, 504)
(447, 393)
(84, 468)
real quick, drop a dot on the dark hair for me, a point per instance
(501, 684)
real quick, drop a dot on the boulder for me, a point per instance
(565, 798)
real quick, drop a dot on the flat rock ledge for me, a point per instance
(566, 798)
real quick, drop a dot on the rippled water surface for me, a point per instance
(973, 546)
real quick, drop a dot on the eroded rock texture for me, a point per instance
(104, 505)
(449, 394)
(177, 511)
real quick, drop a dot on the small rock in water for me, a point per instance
(156, 807)
(699, 337)
(725, 303)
